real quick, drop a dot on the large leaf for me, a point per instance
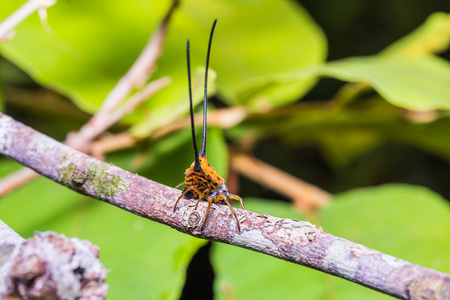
(406, 73)
(92, 44)
(417, 84)
(394, 219)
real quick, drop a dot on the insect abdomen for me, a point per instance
(200, 182)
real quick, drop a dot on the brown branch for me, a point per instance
(306, 197)
(47, 265)
(295, 241)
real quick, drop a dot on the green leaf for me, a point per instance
(404, 74)
(75, 57)
(432, 37)
(92, 44)
(394, 219)
(417, 84)
(253, 47)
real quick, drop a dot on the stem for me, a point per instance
(307, 197)
(21, 14)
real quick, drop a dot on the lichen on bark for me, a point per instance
(96, 175)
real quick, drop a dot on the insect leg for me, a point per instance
(210, 200)
(236, 197)
(186, 189)
(202, 196)
(232, 210)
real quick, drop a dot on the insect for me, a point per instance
(201, 180)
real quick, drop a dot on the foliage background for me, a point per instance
(383, 150)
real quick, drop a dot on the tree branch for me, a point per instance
(22, 13)
(306, 197)
(295, 241)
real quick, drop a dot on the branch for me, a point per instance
(306, 197)
(21, 14)
(137, 75)
(49, 266)
(295, 241)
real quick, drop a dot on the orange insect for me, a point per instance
(201, 181)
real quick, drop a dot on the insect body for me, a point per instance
(201, 180)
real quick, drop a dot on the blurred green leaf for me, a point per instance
(417, 84)
(403, 73)
(389, 218)
(92, 44)
(431, 37)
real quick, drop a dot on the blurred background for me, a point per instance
(335, 112)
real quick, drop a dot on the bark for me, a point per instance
(296, 241)
(49, 266)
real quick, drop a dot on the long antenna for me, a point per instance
(205, 101)
(197, 166)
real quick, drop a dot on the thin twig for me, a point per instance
(135, 77)
(295, 241)
(97, 128)
(223, 118)
(306, 197)
(21, 14)
(15, 180)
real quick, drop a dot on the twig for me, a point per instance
(22, 13)
(15, 180)
(140, 70)
(135, 77)
(295, 241)
(102, 121)
(223, 118)
(306, 197)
